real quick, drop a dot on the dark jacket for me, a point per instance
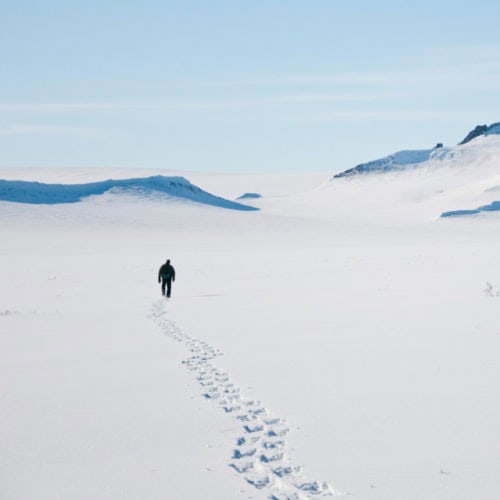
(166, 272)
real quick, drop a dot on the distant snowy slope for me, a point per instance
(452, 179)
(227, 185)
(395, 161)
(42, 193)
(403, 160)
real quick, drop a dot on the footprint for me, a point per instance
(239, 453)
(247, 418)
(253, 428)
(259, 482)
(243, 468)
(287, 470)
(273, 421)
(273, 445)
(316, 488)
(260, 453)
(277, 432)
(271, 458)
(231, 409)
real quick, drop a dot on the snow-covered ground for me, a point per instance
(342, 340)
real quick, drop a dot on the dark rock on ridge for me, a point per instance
(481, 130)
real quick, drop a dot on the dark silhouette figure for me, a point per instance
(166, 275)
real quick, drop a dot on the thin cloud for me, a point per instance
(60, 106)
(388, 115)
(195, 104)
(356, 116)
(303, 79)
(21, 129)
(483, 72)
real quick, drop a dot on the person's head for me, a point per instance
(168, 261)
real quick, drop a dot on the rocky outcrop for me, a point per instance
(494, 128)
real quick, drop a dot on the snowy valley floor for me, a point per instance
(361, 346)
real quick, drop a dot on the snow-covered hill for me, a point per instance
(43, 193)
(395, 161)
(450, 181)
(402, 160)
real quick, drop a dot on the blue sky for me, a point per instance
(240, 86)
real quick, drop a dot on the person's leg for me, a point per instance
(163, 282)
(169, 286)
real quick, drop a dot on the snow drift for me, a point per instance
(492, 207)
(179, 187)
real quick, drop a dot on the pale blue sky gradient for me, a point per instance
(274, 86)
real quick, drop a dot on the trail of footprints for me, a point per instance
(260, 453)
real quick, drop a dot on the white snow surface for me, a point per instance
(341, 341)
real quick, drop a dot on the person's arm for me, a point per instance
(159, 274)
(173, 274)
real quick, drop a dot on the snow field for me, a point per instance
(366, 325)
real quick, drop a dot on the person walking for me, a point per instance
(166, 275)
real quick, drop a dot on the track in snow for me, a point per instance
(260, 452)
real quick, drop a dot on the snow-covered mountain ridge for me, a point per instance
(395, 161)
(494, 128)
(413, 158)
(43, 193)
